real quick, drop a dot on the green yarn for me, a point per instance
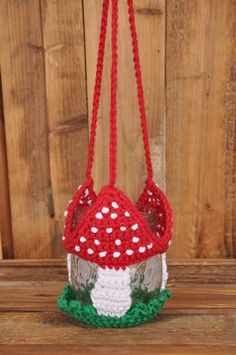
(139, 312)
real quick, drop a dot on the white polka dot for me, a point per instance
(114, 205)
(96, 241)
(82, 239)
(158, 234)
(127, 214)
(99, 215)
(118, 242)
(77, 248)
(90, 251)
(149, 200)
(102, 254)
(123, 228)
(116, 254)
(94, 229)
(89, 202)
(109, 230)
(65, 213)
(149, 193)
(141, 249)
(169, 243)
(79, 187)
(81, 202)
(114, 215)
(159, 226)
(105, 210)
(63, 238)
(86, 192)
(135, 239)
(129, 252)
(135, 227)
(149, 246)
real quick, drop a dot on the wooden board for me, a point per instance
(6, 246)
(200, 91)
(43, 297)
(58, 328)
(150, 20)
(197, 319)
(181, 272)
(23, 82)
(63, 40)
(48, 56)
(42, 59)
(122, 349)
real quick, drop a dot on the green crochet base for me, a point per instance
(139, 312)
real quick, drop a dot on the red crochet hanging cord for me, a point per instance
(97, 89)
(112, 232)
(113, 109)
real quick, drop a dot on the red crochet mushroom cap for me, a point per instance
(112, 232)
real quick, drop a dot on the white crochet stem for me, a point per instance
(111, 295)
(164, 271)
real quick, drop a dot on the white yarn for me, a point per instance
(111, 295)
(164, 271)
(69, 266)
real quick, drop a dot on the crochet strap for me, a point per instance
(113, 110)
(139, 88)
(97, 87)
(113, 98)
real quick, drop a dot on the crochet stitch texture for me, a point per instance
(139, 312)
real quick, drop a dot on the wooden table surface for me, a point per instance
(200, 318)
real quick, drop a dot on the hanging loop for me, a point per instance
(113, 95)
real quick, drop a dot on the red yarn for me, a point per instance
(113, 128)
(97, 89)
(139, 87)
(111, 218)
(97, 86)
(108, 229)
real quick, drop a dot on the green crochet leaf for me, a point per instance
(139, 312)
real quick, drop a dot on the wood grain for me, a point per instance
(55, 327)
(6, 245)
(197, 319)
(63, 40)
(23, 82)
(150, 20)
(48, 58)
(200, 91)
(182, 272)
(37, 297)
(120, 349)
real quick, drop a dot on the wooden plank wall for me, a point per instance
(200, 132)
(48, 58)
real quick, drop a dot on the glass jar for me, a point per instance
(146, 279)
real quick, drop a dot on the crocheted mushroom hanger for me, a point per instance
(108, 229)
